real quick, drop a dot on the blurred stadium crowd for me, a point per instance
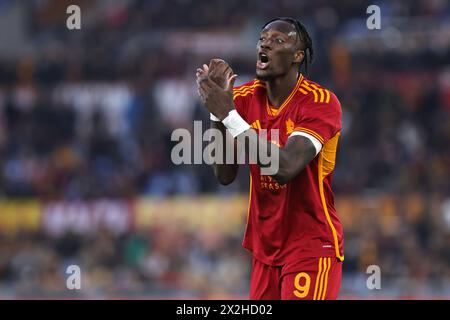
(88, 115)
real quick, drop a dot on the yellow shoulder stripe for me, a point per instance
(242, 94)
(246, 91)
(320, 95)
(303, 91)
(254, 85)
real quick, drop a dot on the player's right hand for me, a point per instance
(219, 72)
(217, 99)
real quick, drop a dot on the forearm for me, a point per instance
(225, 173)
(284, 163)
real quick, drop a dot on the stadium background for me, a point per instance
(85, 123)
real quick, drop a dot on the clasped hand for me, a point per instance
(215, 87)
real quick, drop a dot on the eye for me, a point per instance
(279, 40)
(262, 38)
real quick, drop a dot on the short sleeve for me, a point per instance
(242, 96)
(320, 118)
(241, 104)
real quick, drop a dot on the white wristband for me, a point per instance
(213, 118)
(235, 124)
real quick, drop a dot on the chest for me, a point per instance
(277, 124)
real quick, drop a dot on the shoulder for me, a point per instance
(249, 88)
(315, 94)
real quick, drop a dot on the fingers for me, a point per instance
(203, 71)
(219, 71)
(227, 71)
(205, 83)
(217, 61)
(219, 66)
(212, 85)
(201, 93)
(201, 75)
(214, 63)
(200, 78)
(203, 89)
(230, 82)
(207, 77)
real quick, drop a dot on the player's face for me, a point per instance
(277, 50)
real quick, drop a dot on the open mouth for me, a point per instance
(263, 61)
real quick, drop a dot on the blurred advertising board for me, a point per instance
(87, 217)
(19, 215)
(227, 215)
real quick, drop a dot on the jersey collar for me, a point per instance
(276, 111)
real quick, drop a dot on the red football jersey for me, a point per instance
(298, 219)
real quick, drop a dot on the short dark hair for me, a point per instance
(303, 37)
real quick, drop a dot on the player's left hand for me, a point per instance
(219, 101)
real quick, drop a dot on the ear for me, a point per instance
(299, 55)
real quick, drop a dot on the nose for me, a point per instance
(266, 44)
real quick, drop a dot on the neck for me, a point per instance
(278, 89)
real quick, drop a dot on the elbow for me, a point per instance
(286, 173)
(282, 177)
(288, 168)
(224, 178)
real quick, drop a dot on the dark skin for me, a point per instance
(283, 49)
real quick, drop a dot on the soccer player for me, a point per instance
(293, 230)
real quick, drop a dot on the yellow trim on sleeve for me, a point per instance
(311, 132)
